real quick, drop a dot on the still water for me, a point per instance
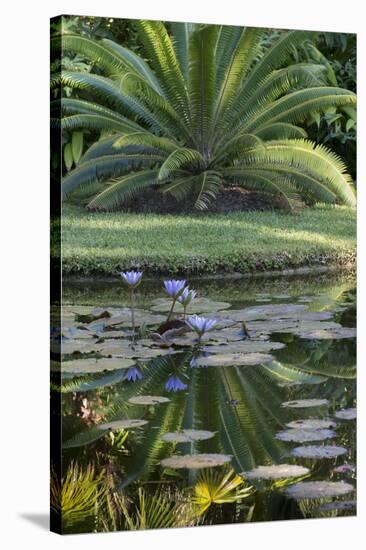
(255, 422)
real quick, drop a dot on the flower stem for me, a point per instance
(171, 310)
(132, 302)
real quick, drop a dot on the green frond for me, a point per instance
(208, 185)
(144, 139)
(226, 43)
(269, 182)
(242, 57)
(280, 130)
(201, 83)
(179, 159)
(92, 122)
(296, 106)
(105, 168)
(98, 87)
(106, 146)
(213, 487)
(233, 148)
(289, 185)
(313, 160)
(123, 189)
(134, 62)
(74, 497)
(277, 56)
(80, 107)
(160, 51)
(155, 110)
(181, 39)
(95, 51)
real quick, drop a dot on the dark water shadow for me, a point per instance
(40, 520)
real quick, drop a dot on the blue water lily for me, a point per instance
(174, 383)
(134, 374)
(132, 278)
(174, 287)
(200, 325)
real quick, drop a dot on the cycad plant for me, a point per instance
(209, 108)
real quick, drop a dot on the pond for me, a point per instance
(255, 421)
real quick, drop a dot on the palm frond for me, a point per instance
(104, 168)
(123, 189)
(182, 33)
(314, 160)
(179, 159)
(160, 51)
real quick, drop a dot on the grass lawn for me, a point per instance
(105, 243)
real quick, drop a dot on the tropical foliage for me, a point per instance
(209, 108)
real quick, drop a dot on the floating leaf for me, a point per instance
(122, 424)
(124, 348)
(312, 423)
(346, 414)
(331, 334)
(345, 469)
(318, 489)
(72, 346)
(91, 365)
(337, 505)
(199, 305)
(196, 461)
(305, 403)
(301, 435)
(277, 471)
(318, 451)
(233, 359)
(279, 311)
(245, 346)
(186, 436)
(148, 400)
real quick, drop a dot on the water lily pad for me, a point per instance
(245, 346)
(312, 423)
(345, 469)
(279, 311)
(123, 424)
(234, 359)
(318, 451)
(186, 436)
(277, 471)
(346, 414)
(305, 403)
(199, 305)
(318, 489)
(78, 334)
(301, 435)
(328, 334)
(72, 346)
(148, 400)
(337, 505)
(122, 317)
(91, 365)
(195, 461)
(123, 348)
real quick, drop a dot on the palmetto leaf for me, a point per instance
(208, 107)
(212, 487)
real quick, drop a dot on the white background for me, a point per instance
(24, 273)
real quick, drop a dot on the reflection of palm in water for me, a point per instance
(242, 405)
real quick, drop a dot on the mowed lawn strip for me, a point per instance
(105, 243)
